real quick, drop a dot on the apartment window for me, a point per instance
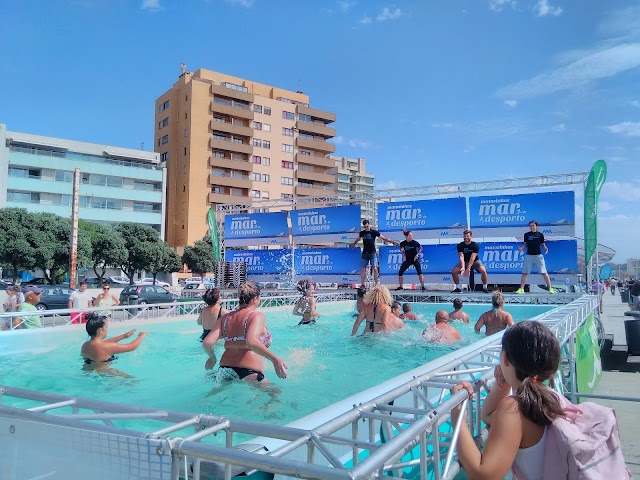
(236, 192)
(305, 118)
(216, 189)
(285, 164)
(287, 148)
(308, 136)
(266, 177)
(257, 142)
(257, 108)
(288, 116)
(233, 86)
(164, 157)
(305, 184)
(304, 152)
(218, 154)
(266, 144)
(238, 140)
(255, 193)
(287, 132)
(165, 122)
(286, 196)
(218, 136)
(266, 127)
(266, 161)
(256, 177)
(267, 110)
(119, 182)
(60, 176)
(256, 125)
(286, 180)
(163, 106)
(223, 101)
(164, 140)
(256, 159)
(343, 178)
(185, 154)
(265, 194)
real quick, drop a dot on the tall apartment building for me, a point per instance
(231, 140)
(117, 184)
(352, 176)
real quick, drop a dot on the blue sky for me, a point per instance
(427, 91)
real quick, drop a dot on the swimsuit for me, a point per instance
(373, 322)
(88, 361)
(308, 322)
(266, 340)
(245, 372)
(205, 331)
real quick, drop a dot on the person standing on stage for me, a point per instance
(369, 255)
(533, 241)
(411, 251)
(468, 254)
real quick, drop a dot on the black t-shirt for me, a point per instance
(369, 240)
(411, 249)
(635, 289)
(467, 250)
(533, 241)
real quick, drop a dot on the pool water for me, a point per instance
(167, 371)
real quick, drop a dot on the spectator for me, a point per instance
(441, 332)
(635, 295)
(457, 313)
(79, 300)
(495, 319)
(106, 299)
(31, 299)
(14, 299)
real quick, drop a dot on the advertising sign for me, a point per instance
(263, 264)
(509, 215)
(328, 264)
(330, 224)
(446, 217)
(588, 364)
(256, 229)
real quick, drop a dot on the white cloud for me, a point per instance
(365, 20)
(442, 125)
(635, 103)
(622, 191)
(389, 14)
(561, 127)
(499, 5)
(388, 185)
(351, 142)
(597, 64)
(623, 23)
(346, 5)
(339, 140)
(627, 129)
(543, 9)
(511, 103)
(151, 5)
(241, 3)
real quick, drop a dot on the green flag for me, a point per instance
(597, 176)
(213, 231)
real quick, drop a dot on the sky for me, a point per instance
(428, 91)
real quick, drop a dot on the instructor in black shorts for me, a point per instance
(369, 254)
(411, 250)
(468, 254)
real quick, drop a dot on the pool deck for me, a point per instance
(621, 376)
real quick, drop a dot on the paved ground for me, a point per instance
(621, 377)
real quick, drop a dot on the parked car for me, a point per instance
(149, 281)
(119, 280)
(147, 294)
(91, 282)
(198, 286)
(36, 281)
(54, 297)
(4, 284)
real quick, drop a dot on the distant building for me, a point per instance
(117, 184)
(352, 177)
(633, 267)
(230, 140)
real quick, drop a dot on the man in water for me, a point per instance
(533, 242)
(441, 332)
(457, 313)
(369, 255)
(495, 319)
(468, 255)
(411, 251)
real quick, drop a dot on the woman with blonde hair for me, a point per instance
(377, 312)
(246, 339)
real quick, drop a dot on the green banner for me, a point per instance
(597, 176)
(213, 231)
(588, 365)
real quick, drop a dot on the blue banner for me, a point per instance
(509, 215)
(269, 264)
(256, 229)
(327, 263)
(425, 218)
(328, 224)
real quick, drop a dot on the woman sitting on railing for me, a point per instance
(530, 356)
(377, 312)
(306, 306)
(99, 352)
(212, 312)
(246, 339)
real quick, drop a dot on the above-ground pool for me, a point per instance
(326, 364)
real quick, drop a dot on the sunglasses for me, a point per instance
(105, 288)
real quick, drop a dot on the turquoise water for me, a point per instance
(167, 371)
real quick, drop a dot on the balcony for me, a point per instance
(227, 198)
(314, 112)
(231, 110)
(315, 177)
(316, 145)
(229, 127)
(315, 160)
(315, 191)
(230, 146)
(231, 163)
(230, 180)
(316, 129)
(231, 93)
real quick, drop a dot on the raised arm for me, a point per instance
(297, 309)
(499, 390)
(120, 337)
(393, 242)
(113, 347)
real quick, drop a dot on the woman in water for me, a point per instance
(377, 312)
(99, 351)
(212, 312)
(306, 306)
(530, 356)
(246, 339)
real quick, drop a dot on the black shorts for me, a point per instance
(407, 263)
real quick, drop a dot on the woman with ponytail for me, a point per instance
(518, 409)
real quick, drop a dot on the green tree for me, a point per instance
(164, 260)
(108, 248)
(16, 249)
(139, 240)
(199, 257)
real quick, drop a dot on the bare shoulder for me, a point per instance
(509, 405)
